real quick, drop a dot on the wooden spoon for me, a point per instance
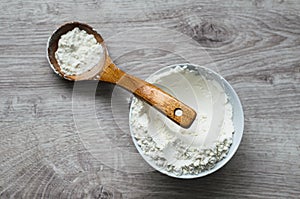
(107, 71)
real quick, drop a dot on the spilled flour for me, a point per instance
(185, 151)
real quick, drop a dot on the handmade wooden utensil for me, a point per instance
(107, 71)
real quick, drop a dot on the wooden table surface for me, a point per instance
(60, 139)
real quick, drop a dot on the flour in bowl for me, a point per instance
(176, 150)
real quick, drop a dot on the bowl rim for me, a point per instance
(237, 137)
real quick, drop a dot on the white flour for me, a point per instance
(178, 150)
(78, 52)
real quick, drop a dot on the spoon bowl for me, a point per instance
(107, 71)
(53, 46)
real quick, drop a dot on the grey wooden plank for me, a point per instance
(44, 152)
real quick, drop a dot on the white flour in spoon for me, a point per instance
(78, 52)
(178, 150)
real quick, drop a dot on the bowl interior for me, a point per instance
(238, 120)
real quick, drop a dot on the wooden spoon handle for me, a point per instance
(162, 101)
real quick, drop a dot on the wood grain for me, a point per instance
(67, 140)
(156, 97)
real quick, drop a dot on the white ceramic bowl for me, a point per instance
(238, 121)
